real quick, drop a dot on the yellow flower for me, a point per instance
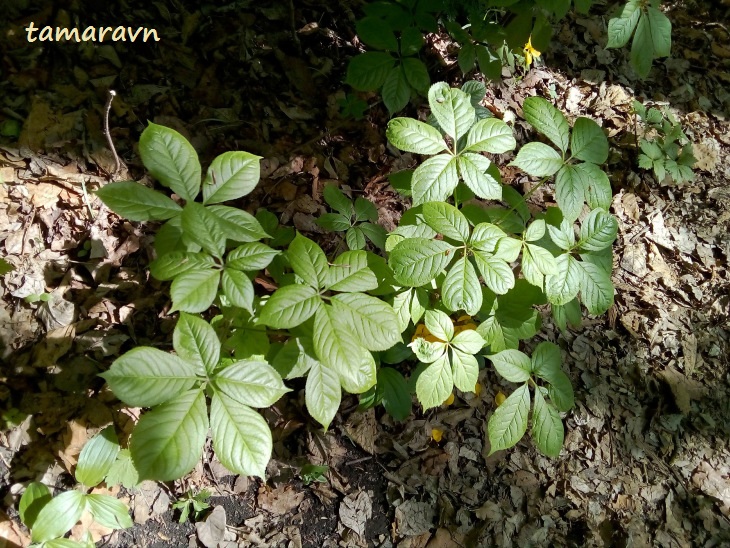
(448, 401)
(422, 332)
(499, 398)
(530, 52)
(437, 435)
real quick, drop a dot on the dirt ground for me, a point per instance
(646, 460)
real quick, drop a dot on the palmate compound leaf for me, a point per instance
(371, 322)
(250, 382)
(548, 120)
(322, 393)
(196, 342)
(290, 306)
(473, 169)
(58, 516)
(435, 179)
(144, 377)
(435, 383)
(109, 511)
(97, 457)
(136, 202)
(168, 440)
(336, 349)
(508, 423)
(461, 289)
(563, 286)
(417, 261)
(512, 365)
(241, 437)
(308, 261)
(452, 109)
(588, 142)
(171, 159)
(547, 427)
(490, 135)
(412, 135)
(538, 160)
(447, 220)
(231, 175)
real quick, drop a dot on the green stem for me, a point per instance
(524, 198)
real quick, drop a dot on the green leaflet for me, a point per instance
(322, 393)
(490, 135)
(136, 202)
(549, 121)
(108, 511)
(196, 342)
(417, 261)
(538, 160)
(252, 383)
(435, 179)
(194, 291)
(371, 322)
(168, 441)
(368, 71)
(393, 392)
(251, 256)
(562, 286)
(290, 306)
(58, 516)
(513, 365)
(172, 264)
(396, 91)
(413, 136)
(447, 220)
(452, 109)
(201, 227)
(35, 497)
(508, 423)
(598, 231)
(588, 142)
(308, 261)
(435, 383)
(596, 289)
(460, 289)
(473, 170)
(350, 272)
(97, 457)
(547, 427)
(231, 175)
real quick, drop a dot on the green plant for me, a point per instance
(651, 29)
(168, 440)
(441, 276)
(311, 473)
(196, 503)
(358, 221)
(665, 148)
(50, 517)
(395, 30)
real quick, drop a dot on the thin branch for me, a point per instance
(117, 163)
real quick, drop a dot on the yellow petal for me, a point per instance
(448, 401)
(499, 398)
(437, 435)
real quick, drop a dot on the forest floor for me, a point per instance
(646, 460)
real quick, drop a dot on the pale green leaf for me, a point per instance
(547, 427)
(447, 220)
(109, 511)
(136, 202)
(251, 256)
(535, 231)
(548, 120)
(473, 169)
(97, 457)
(512, 365)
(465, 370)
(172, 264)
(460, 289)
(290, 306)
(596, 289)
(195, 341)
(371, 322)
(468, 341)
(439, 324)
(508, 423)
(452, 109)
(355, 238)
(538, 160)
(251, 382)
(58, 516)
(237, 286)
(194, 291)
(145, 376)
(350, 272)
(563, 236)
(588, 142)
(238, 225)
(435, 179)
(231, 175)
(167, 442)
(308, 261)
(571, 184)
(542, 258)
(35, 497)
(122, 471)
(171, 159)
(417, 261)
(563, 286)
(621, 28)
(486, 236)
(336, 349)
(497, 274)
(201, 226)
(322, 393)
(490, 135)
(597, 231)
(414, 136)
(435, 383)
(241, 437)
(426, 351)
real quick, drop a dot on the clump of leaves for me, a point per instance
(192, 503)
(50, 517)
(313, 473)
(665, 148)
(358, 221)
